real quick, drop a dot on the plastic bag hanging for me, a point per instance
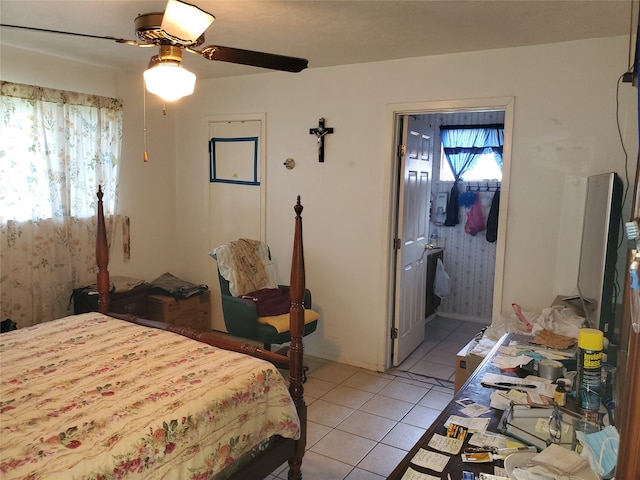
(442, 282)
(475, 220)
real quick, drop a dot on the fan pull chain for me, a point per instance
(164, 107)
(145, 156)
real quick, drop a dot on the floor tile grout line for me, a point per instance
(429, 384)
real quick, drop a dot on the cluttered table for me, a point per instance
(467, 435)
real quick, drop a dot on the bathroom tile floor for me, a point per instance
(362, 423)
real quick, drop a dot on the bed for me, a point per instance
(109, 396)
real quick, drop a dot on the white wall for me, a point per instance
(564, 130)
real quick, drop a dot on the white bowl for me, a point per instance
(519, 459)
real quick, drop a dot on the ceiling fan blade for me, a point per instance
(85, 35)
(254, 59)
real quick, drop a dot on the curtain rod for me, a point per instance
(469, 127)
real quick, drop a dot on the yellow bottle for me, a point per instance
(560, 395)
(590, 342)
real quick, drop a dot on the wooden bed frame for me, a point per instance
(283, 450)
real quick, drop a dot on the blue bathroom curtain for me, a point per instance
(462, 145)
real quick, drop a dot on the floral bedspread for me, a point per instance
(91, 397)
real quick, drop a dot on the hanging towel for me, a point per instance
(467, 199)
(492, 218)
(475, 220)
(452, 207)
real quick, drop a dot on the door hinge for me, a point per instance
(396, 244)
(402, 150)
(394, 333)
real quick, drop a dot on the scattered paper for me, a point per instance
(505, 362)
(473, 424)
(520, 398)
(557, 458)
(500, 400)
(412, 474)
(537, 399)
(505, 350)
(538, 351)
(496, 378)
(494, 441)
(431, 460)
(446, 444)
(475, 410)
(488, 476)
(465, 402)
(544, 386)
(500, 471)
(531, 384)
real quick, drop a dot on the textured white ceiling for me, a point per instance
(327, 33)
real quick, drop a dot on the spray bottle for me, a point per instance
(590, 344)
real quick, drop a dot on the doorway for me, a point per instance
(397, 298)
(236, 188)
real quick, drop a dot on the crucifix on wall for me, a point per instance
(320, 132)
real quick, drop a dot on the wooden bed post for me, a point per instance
(284, 448)
(296, 348)
(102, 258)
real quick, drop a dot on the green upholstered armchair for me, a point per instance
(241, 314)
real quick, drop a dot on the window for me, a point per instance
(56, 147)
(463, 146)
(471, 152)
(485, 169)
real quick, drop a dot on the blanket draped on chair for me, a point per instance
(248, 270)
(245, 264)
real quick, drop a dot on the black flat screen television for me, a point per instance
(598, 251)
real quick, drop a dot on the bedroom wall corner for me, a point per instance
(147, 189)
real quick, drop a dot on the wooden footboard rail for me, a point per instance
(286, 450)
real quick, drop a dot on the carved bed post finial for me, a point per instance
(298, 208)
(102, 258)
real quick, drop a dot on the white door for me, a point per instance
(236, 188)
(413, 229)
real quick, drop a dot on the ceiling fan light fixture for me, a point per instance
(169, 80)
(184, 21)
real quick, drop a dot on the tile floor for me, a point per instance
(362, 423)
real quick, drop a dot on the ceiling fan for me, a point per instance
(181, 28)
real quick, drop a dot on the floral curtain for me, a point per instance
(56, 147)
(462, 146)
